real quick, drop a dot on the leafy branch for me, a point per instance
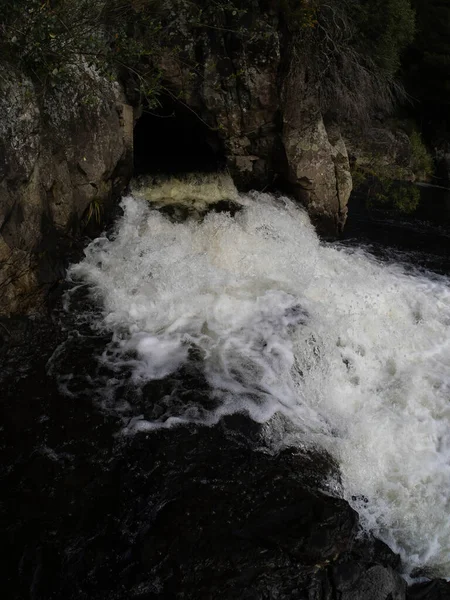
(49, 39)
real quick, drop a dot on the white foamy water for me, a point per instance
(355, 353)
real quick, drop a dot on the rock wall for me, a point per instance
(65, 154)
(250, 91)
(58, 156)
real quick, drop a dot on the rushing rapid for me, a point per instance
(353, 353)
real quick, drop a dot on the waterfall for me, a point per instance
(327, 345)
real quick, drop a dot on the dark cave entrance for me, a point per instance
(172, 140)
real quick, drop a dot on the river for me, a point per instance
(203, 305)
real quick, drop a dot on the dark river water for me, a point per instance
(199, 378)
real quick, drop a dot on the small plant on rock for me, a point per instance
(94, 212)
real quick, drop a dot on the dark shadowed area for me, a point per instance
(173, 139)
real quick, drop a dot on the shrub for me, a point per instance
(382, 186)
(422, 162)
(50, 38)
(405, 197)
(94, 212)
(353, 50)
(386, 28)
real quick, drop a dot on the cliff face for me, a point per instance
(58, 158)
(255, 95)
(65, 156)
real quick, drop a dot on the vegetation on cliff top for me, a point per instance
(354, 46)
(48, 39)
(353, 49)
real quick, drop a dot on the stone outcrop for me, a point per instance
(247, 90)
(317, 159)
(58, 156)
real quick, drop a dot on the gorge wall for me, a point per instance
(229, 79)
(62, 161)
(253, 93)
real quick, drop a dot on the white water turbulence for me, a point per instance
(354, 353)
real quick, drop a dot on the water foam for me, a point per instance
(355, 353)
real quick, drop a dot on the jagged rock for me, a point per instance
(57, 155)
(356, 578)
(317, 159)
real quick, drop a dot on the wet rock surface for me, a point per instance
(188, 512)
(439, 589)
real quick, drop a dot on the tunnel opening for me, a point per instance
(173, 139)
